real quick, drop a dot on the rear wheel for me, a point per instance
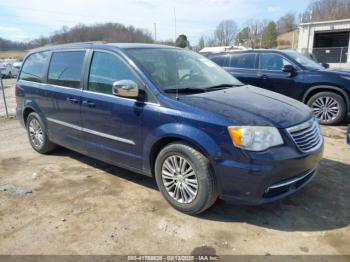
(37, 134)
(329, 108)
(185, 179)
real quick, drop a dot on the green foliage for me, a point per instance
(181, 41)
(243, 36)
(269, 36)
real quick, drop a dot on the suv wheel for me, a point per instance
(329, 108)
(37, 134)
(185, 179)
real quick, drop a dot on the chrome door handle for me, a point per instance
(88, 103)
(72, 100)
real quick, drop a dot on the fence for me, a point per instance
(331, 55)
(7, 98)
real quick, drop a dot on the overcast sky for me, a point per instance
(28, 19)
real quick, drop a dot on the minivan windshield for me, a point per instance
(178, 70)
(303, 60)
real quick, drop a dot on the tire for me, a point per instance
(335, 105)
(37, 134)
(206, 192)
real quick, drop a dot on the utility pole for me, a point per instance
(174, 25)
(155, 32)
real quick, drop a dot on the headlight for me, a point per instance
(255, 138)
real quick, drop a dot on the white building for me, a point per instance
(327, 41)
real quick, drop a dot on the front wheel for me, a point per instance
(329, 108)
(185, 179)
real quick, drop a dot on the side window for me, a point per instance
(220, 60)
(272, 62)
(65, 68)
(34, 67)
(246, 61)
(104, 70)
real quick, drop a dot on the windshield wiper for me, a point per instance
(185, 90)
(222, 86)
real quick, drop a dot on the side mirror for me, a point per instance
(125, 88)
(325, 65)
(289, 69)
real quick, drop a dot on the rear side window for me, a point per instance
(65, 68)
(220, 60)
(34, 67)
(106, 69)
(246, 61)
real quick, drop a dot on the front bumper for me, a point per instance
(263, 181)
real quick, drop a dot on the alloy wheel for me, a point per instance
(325, 108)
(179, 179)
(36, 133)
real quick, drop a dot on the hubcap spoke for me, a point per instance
(179, 179)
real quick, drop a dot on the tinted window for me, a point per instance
(34, 67)
(106, 69)
(65, 68)
(243, 61)
(272, 62)
(220, 60)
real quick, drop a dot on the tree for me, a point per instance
(225, 32)
(201, 43)
(243, 37)
(181, 41)
(286, 23)
(256, 28)
(323, 10)
(269, 36)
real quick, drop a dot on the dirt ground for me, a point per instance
(66, 203)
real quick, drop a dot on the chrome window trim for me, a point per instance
(93, 132)
(87, 91)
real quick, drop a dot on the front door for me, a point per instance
(111, 124)
(272, 77)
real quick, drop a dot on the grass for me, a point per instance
(12, 54)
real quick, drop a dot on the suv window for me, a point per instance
(34, 67)
(272, 62)
(243, 61)
(220, 60)
(104, 70)
(65, 68)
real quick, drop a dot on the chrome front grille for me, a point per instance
(307, 136)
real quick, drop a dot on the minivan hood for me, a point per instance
(250, 105)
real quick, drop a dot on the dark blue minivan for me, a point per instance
(170, 114)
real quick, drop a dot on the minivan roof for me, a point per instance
(106, 45)
(252, 51)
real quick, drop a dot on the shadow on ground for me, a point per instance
(324, 204)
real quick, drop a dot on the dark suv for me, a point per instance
(287, 72)
(171, 114)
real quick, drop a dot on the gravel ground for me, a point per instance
(67, 203)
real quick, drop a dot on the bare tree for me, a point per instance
(225, 32)
(256, 27)
(286, 23)
(323, 10)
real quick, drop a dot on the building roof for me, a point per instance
(326, 22)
